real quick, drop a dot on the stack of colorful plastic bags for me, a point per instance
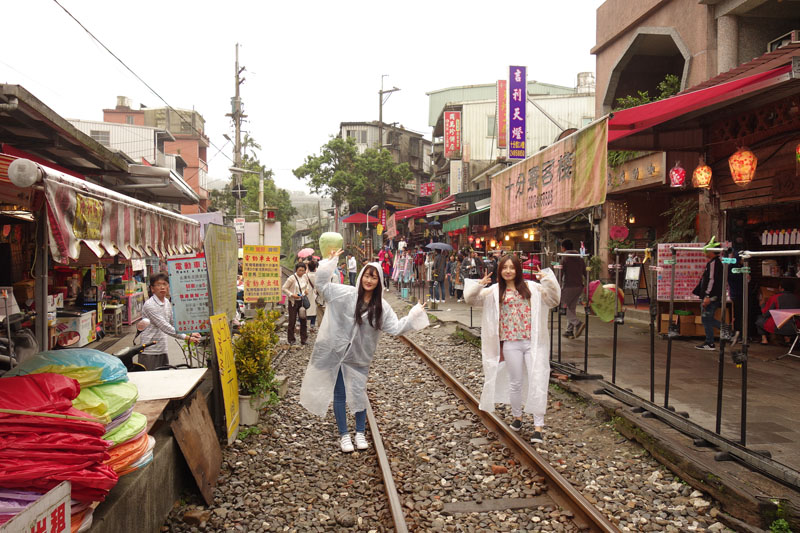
(44, 440)
(106, 396)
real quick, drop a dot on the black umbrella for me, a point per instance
(435, 224)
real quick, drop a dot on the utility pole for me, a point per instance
(381, 101)
(261, 207)
(237, 116)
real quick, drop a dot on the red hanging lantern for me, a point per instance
(743, 166)
(471, 238)
(797, 160)
(701, 177)
(677, 175)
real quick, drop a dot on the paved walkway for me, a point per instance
(773, 393)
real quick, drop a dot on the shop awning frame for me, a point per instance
(425, 210)
(107, 222)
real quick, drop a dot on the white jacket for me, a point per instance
(341, 343)
(544, 296)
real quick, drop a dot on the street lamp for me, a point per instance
(369, 237)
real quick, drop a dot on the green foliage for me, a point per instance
(595, 267)
(780, 526)
(680, 228)
(614, 243)
(253, 349)
(640, 98)
(340, 172)
(667, 87)
(618, 157)
(246, 432)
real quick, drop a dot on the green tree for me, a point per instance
(340, 172)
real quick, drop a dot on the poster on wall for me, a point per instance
(688, 271)
(188, 289)
(220, 248)
(223, 347)
(261, 270)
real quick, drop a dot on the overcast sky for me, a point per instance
(310, 64)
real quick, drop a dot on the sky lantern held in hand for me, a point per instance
(701, 177)
(743, 166)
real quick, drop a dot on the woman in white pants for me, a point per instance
(515, 342)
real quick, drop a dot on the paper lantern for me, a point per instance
(701, 177)
(493, 243)
(743, 166)
(797, 159)
(677, 175)
(471, 238)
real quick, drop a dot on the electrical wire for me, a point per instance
(129, 69)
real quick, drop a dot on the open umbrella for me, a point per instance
(435, 224)
(439, 246)
(305, 252)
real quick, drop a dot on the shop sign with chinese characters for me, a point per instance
(502, 114)
(570, 174)
(48, 514)
(426, 189)
(261, 269)
(452, 134)
(644, 171)
(188, 289)
(223, 347)
(517, 105)
(456, 176)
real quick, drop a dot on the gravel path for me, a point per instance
(292, 476)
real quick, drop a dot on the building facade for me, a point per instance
(187, 128)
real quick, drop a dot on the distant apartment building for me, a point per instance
(187, 129)
(405, 146)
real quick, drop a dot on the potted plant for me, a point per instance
(253, 349)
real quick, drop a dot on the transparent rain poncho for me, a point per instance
(544, 296)
(343, 344)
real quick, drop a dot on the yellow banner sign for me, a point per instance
(227, 373)
(261, 270)
(88, 223)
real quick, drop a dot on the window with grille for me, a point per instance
(101, 136)
(491, 125)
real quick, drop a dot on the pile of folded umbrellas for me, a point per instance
(68, 415)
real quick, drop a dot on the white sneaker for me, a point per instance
(361, 442)
(346, 443)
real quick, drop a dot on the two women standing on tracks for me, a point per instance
(346, 343)
(515, 343)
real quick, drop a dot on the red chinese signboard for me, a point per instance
(502, 114)
(452, 133)
(426, 189)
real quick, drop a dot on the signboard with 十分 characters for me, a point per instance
(569, 175)
(188, 289)
(517, 107)
(261, 269)
(502, 114)
(452, 134)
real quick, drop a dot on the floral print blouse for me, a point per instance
(515, 317)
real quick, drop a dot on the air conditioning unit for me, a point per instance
(791, 37)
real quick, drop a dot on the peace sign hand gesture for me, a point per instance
(335, 253)
(487, 279)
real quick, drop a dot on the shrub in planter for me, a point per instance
(253, 349)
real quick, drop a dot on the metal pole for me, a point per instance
(616, 311)
(261, 207)
(551, 331)
(745, 344)
(40, 284)
(586, 326)
(724, 336)
(559, 332)
(653, 315)
(670, 332)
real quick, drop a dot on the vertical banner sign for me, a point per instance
(501, 127)
(223, 347)
(188, 289)
(49, 514)
(239, 225)
(452, 133)
(261, 270)
(568, 175)
(391, 229)
(518, 99)
(223, 265)
(456, 176)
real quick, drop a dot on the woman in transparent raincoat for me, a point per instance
(515, 343)
(345, 346)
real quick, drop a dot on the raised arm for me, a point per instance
(475, 291)
(328, 290)
(416, 320)
(548, 287)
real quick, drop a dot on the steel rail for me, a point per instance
(395, 506)
(586, 516)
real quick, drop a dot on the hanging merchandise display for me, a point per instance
(743, 166)
(701, 177)
(677, 175)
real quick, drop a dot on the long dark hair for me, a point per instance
(519, 282)
(374, 308)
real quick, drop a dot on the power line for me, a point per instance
(129, 69)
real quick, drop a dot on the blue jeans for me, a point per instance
(437, 290)
(340, 408)
(352, 278)
(709, 322)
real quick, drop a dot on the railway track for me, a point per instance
(550, 490)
